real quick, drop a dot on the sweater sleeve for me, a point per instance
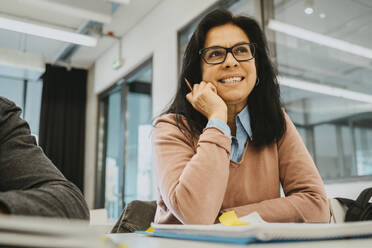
(30, 184)
(305, 199)
(192, 182)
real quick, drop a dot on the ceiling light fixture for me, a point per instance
(309, 11)
(321, 39)
(324, 89)
(93, 10)
(121, 1)
(309, 7)
(46, 32)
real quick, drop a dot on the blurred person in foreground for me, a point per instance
(30, 184)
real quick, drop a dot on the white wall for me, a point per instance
(346, 190)
(90, 140)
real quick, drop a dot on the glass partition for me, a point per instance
(124, 164)
(114, 156)
(26, 94)
(324, 57)
(138, 162)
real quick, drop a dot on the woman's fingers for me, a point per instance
(212, 87)
(199, 87)
(189, 98)
(204, 98)
(195, 87)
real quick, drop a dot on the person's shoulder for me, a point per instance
(169, 124)
(168, 119)
(7, 108)
(167, 127)
(286, 117)
(9, 116)
(6, 103)
(290, 133)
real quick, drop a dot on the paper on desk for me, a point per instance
(253, 218)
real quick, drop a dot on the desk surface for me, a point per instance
(133, 240)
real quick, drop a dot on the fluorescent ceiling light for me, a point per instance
(46, 32)
(319, 38)
(309, 11)
(24, 60)
(94, 10)
(121, 1)
(309, 7)
(324, 89)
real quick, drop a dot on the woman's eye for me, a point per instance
(241, 50)
(215, 54)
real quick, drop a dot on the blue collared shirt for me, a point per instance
(243, 132)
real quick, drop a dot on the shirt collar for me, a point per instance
(244, 119)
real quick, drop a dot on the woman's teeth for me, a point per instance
(232, 80)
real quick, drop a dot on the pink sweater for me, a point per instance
(197, 180)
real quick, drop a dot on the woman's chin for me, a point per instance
(235, 99)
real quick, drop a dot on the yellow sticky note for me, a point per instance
(230, 219)
(105, 238)
(150, 229)
(122, 246)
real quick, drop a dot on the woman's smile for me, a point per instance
(231, 79)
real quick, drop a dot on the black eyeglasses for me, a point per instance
(217, 54)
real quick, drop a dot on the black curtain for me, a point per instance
(62, 120)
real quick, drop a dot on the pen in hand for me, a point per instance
(188, 84)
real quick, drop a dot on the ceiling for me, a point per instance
(70, 15)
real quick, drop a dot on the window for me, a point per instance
(326, 88)
(138, 152)
(124, 157)
(26, 94)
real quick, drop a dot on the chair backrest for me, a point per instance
(338, 211)
(136, 216)
(98, 216)
(359, 209)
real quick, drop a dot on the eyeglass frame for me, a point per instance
(229, 50)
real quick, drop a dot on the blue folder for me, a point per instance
(236, 240)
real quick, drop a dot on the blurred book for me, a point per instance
(21, 231)
(258, 231)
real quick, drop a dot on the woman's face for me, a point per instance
(234, 80)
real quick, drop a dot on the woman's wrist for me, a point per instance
(221, 115)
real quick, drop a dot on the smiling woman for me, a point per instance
(227, 144)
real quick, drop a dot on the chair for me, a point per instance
(136, 216)
(98, 216)
(338, 211)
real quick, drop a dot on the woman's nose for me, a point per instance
(230, 61)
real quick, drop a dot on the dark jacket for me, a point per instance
(29, 182)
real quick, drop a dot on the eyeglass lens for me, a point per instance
(215, 55)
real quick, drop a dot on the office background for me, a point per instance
(321, 48)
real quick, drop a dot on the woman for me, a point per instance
(227, 144)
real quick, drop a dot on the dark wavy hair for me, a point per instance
(265, 109)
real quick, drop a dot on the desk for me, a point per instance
(133, 240)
